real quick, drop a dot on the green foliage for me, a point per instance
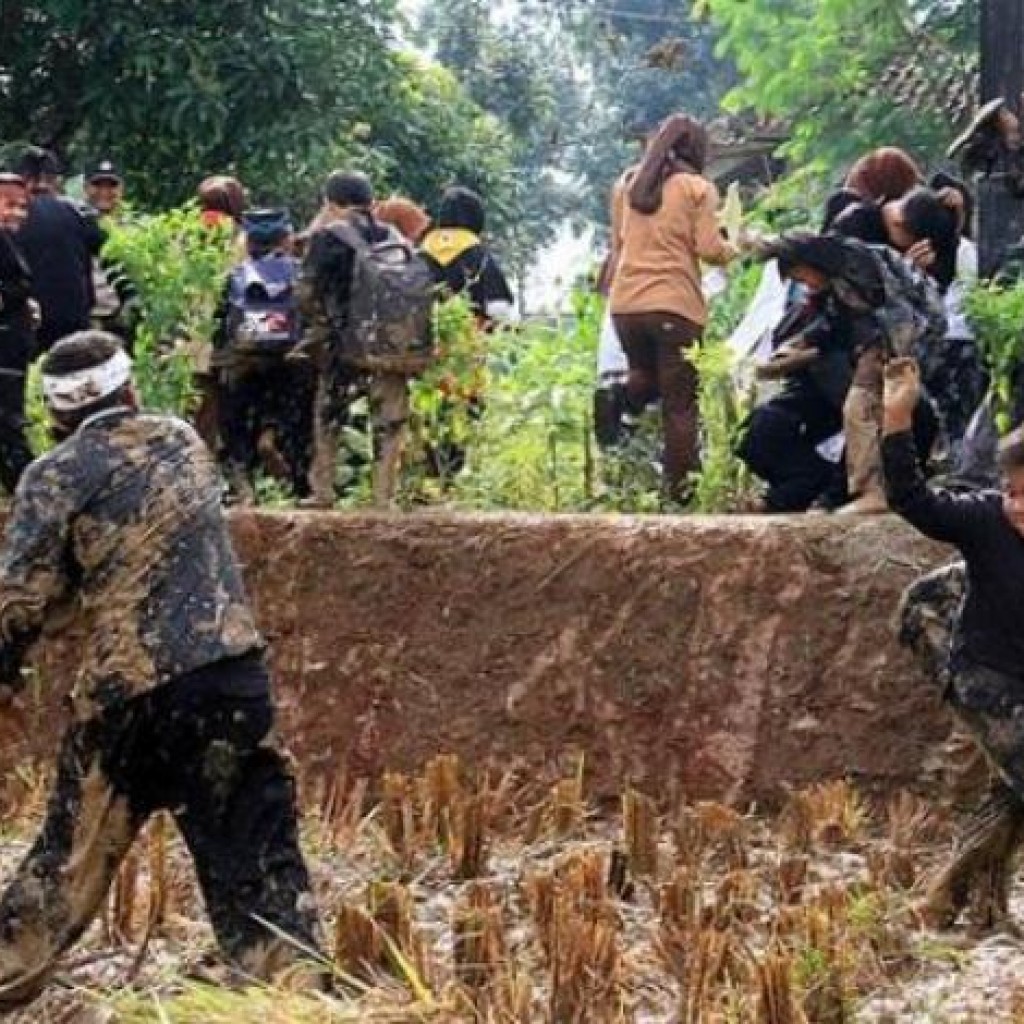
(179, 267)
(723, 479)
(512, 69)
(996, 312)
(532, 448)
(816, 64)
(278, 92)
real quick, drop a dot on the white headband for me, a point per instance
(84, 387)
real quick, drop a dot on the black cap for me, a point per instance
(349, 188)
(35, 162)
(266, 226)
(104, 170)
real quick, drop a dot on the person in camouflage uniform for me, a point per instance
(171, 708)
(963, 622)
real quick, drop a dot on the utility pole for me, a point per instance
(1001, 215)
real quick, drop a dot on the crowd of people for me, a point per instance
(300, 312)
(886, 275)
(865, 347)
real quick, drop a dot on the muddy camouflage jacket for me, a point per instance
(123, 521)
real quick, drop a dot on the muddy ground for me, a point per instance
(710, 917)
(717, 658)
(731, 661)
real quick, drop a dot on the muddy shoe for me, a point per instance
(945, 900)
(316, 502)
(865, 505)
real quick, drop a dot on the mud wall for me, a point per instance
(716, 657)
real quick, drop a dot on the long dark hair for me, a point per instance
(681, 145)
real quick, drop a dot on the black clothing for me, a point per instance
(17, 348)
(865, 221)
(15, 452)
(200, 748)
(463, 265)
(59, 241)
(989, 632)
(779, 443)
(16, 333)
(268, 394)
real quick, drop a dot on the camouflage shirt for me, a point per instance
(123, 522)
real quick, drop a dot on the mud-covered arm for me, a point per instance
(950, 518)
(35, 559)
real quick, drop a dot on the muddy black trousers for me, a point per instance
(200, 747)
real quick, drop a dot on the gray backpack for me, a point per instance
(389, 323)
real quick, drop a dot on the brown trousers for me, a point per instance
(655, 345)
(862, 425)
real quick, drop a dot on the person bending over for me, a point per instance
(172, 708)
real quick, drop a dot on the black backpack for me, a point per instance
(389, 323)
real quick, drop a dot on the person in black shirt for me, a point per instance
(460, 259)
(59, 241)
(984, 678)
(17, 332)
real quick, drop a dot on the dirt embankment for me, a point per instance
(697, 658)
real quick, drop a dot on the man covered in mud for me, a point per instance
(981, 671)
(172, 707)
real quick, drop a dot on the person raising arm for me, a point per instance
(984, 681)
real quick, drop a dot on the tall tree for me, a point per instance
(277, 91)
(852, 74)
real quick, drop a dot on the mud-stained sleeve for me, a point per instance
(35, 558)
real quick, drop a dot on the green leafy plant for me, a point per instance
(179, 266)
(996, 311)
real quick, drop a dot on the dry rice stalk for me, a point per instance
(796, 824)
(342, 809)
(584, 878)
(688, 837)
(567, 810)
(586, 981)
(641, 829)
(724, 833)
(479, 939)
(441, 788)
(390, 906)
(736, 900)
(775, 1001)
(398, 815)
(159, 890)
(470, 837)
(791, 877)
(679, 911)
(890, 868)
(1017, 1005)
(120, 922)
(358, 945)
(541, 894)
(911, 821)
(837, 812)
(707, 970)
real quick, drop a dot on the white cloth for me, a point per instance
(752, 339)
(612, 365)
(84, 387)
(958, 326)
